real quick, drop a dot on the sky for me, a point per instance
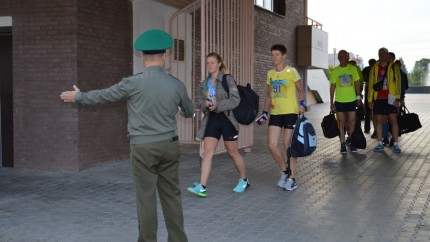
(362, 27)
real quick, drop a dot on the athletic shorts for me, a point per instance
(218, 124)
(346, 107)
(381, 107)
(286, 121)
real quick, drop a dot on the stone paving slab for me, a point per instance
(364, 197)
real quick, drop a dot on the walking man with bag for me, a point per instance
(345, 96)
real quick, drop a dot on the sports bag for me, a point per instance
(330, 126)
(408, 122)
(357, 137)
(303, 139)
(247, 110)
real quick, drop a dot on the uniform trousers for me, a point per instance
(155, 168)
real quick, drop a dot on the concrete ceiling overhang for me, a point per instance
(176, 3)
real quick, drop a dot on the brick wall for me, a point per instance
(104, 57)
(55, 45)
(270, 29)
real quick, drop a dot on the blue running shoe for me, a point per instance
(379, 148)
(343, 148)
(396, 149)
(198, 190)
(241, 186)
(291, 184)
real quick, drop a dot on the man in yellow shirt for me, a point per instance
(345, 96)
(385, 102)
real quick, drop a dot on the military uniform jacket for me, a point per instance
(152, 97)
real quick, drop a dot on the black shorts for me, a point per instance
(218, 124)
(346, 107)
(381, 107)
(286, 121)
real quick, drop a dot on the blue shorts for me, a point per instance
(218, 124)
(346, 107)
(286, 121)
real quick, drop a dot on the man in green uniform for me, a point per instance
(153, 98)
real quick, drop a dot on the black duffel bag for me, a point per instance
(408, 122)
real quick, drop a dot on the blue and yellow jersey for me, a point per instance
(283, 90)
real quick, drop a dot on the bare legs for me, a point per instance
(210, 145)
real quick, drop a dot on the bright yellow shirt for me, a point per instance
(344, 78)
(283, 90)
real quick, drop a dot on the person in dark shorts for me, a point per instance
(283, 82)
(345, 96)
(385, 102)
(218, 121)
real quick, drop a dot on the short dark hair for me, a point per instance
(392, 55)
(280, 48)
(372, 62)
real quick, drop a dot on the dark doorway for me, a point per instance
(6, 95)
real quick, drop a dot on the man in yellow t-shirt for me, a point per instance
(283, 82)
(345, 96)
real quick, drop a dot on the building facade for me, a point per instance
(55, 44)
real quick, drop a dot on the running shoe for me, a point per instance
(283, 179)
(343, 148)
(291, 184)
(378, 148)
(352, 148)
(396, 149)
(241, 186)
(198, 190)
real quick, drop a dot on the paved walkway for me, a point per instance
(364, 197)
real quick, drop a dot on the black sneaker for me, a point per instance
(352, 148)
(343, 149)
(391, 142)
(373, 136)
(385, 141)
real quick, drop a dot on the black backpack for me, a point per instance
(247, 110)
(303, 139)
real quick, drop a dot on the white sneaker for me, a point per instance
(290, 184)
(282, 179)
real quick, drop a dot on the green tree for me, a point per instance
(418, 75)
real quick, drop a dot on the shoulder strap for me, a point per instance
(225, 84)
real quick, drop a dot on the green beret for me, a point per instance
(153, 41)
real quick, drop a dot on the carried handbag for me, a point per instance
(330, 126)
(408, 122)
(357, 137)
